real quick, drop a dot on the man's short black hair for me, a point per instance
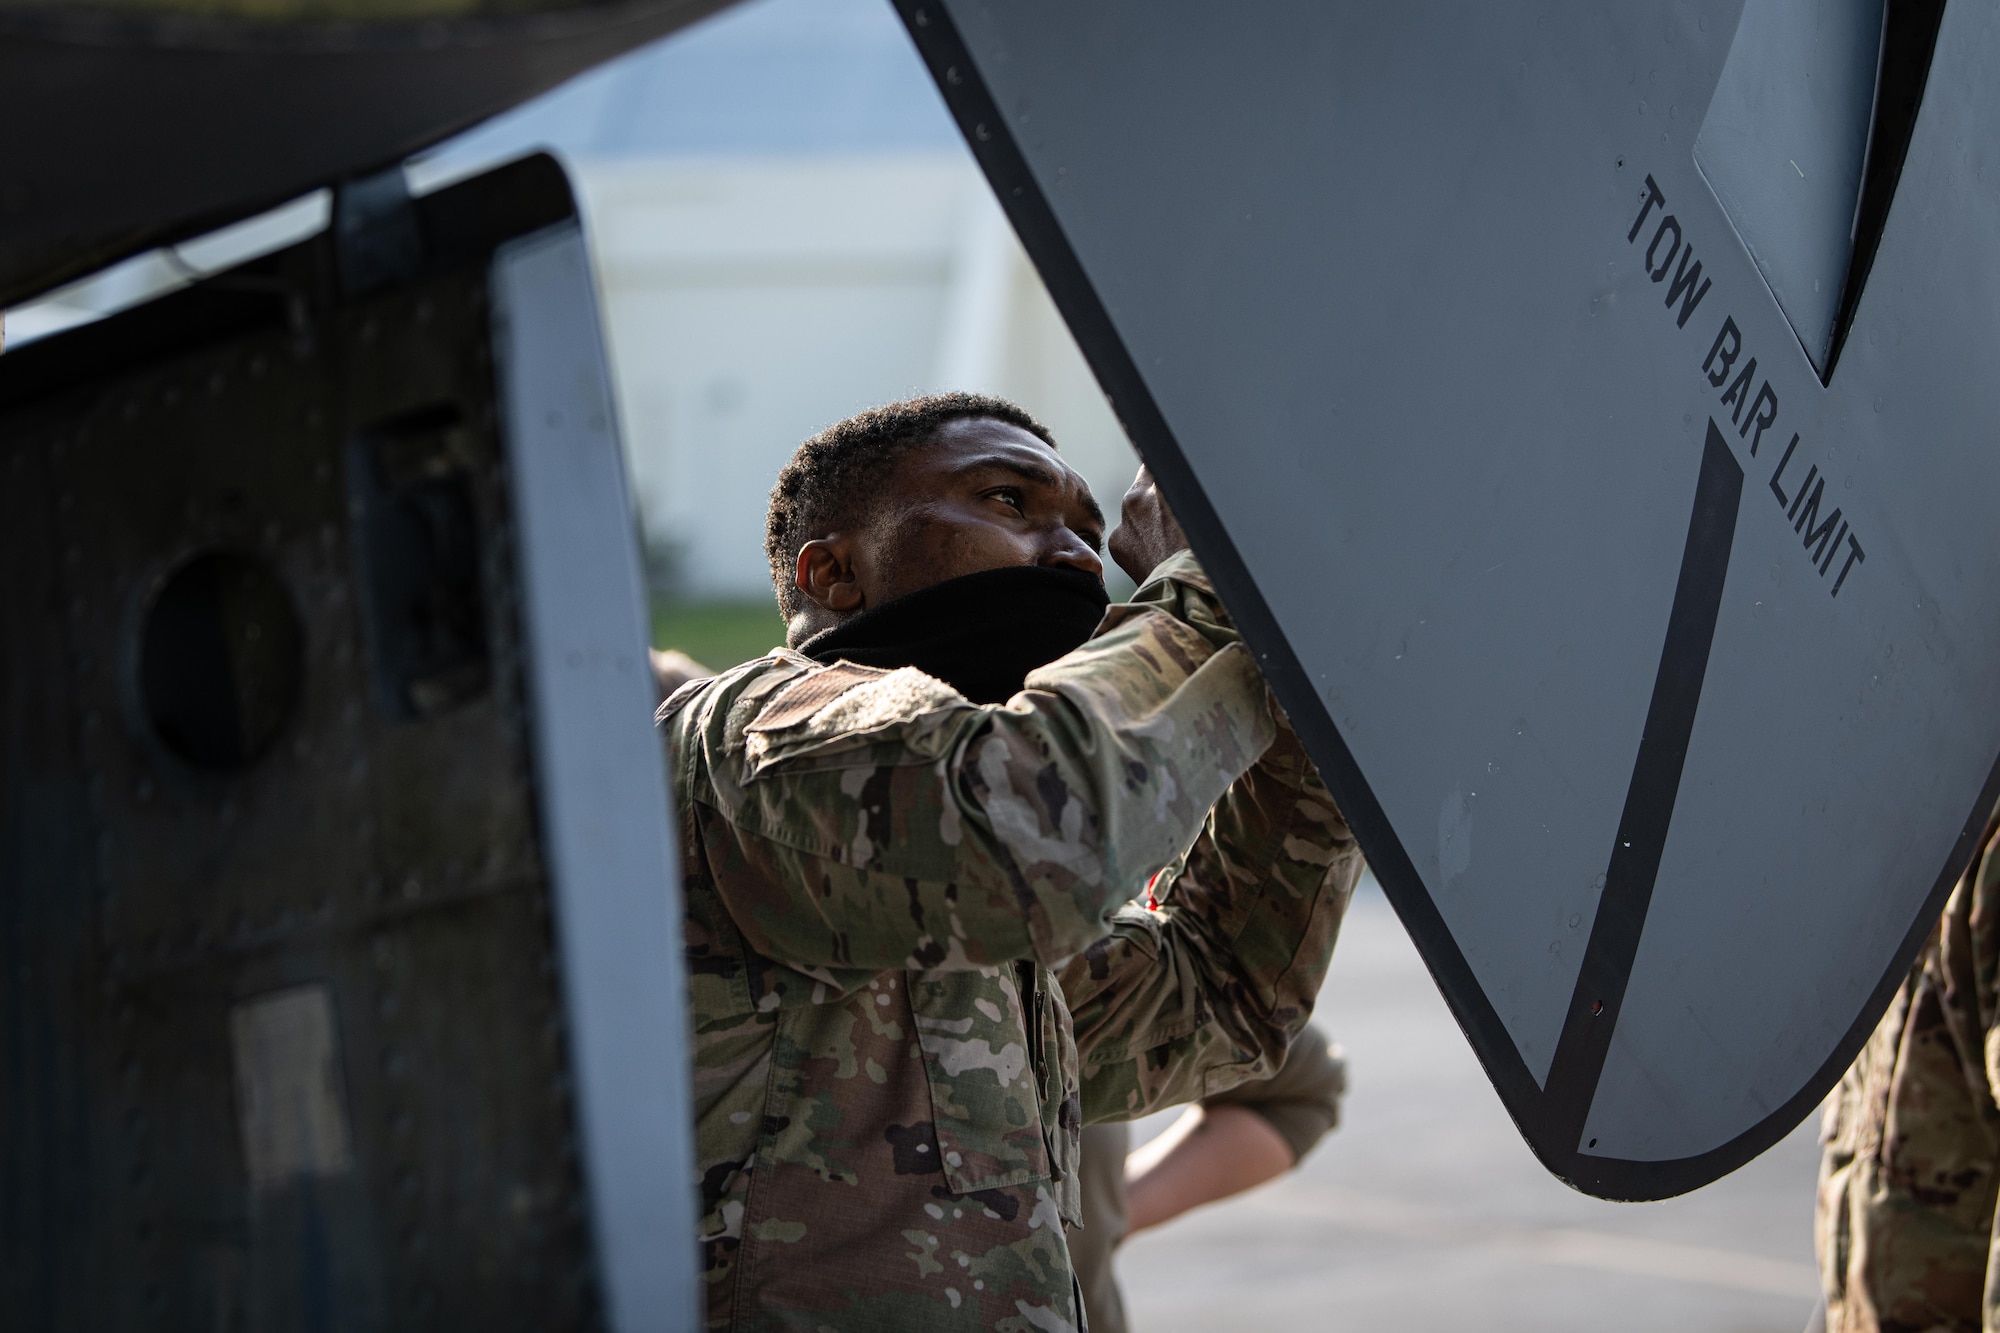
(826, 485)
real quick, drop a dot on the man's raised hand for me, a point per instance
(1147, 532)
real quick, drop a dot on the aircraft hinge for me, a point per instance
(376, 232)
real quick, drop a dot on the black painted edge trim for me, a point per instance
(992, 143)
(1034, 221)
(1618, 925)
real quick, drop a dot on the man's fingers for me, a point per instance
(1136, 493)
(1147, 532)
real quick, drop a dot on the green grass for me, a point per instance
(719, 634)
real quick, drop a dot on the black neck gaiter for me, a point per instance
(980, 634)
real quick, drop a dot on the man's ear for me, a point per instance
(825, 574)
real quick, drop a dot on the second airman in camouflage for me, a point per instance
(1905, 1224)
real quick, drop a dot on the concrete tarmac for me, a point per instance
(1425, 1211)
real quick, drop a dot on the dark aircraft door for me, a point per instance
(342, 986)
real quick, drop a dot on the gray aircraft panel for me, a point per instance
(604, 784)
(1823, 674)
(1666, 773)
(1562, 646)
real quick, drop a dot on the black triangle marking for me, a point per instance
(1909, 39)
(1649, 799)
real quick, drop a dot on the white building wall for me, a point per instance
(787, 229)
(752, 301)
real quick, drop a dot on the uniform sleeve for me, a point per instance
(1208, 990)
(1302, 1100)
(1904, 1223)
(857, 819)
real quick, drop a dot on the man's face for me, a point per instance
(984, 495)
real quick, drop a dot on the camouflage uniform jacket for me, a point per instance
(1904, 1225)
(880, 878)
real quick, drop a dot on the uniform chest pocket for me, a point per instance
(985, 1100)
